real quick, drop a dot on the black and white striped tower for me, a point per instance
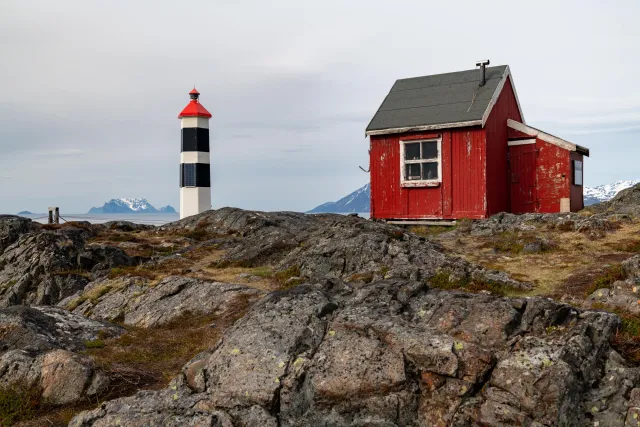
(195, 169)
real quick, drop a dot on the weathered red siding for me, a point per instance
(461, 193)
(554, 174)
(506, 107)
(577, 196)
(388, 198)
(469, 167)
(523, 179)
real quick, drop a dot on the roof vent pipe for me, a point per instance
(482, 64)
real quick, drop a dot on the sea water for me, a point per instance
(140, 218)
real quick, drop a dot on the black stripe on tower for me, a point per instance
(195, 175)
(195, 139)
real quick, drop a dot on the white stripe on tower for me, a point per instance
(195, 171)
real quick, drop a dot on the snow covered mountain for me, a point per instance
(126, 205)
(358, 201)
(602, 193)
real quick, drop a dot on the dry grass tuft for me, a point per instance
(611, 275)
(152, 357)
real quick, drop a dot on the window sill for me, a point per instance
(413, 184)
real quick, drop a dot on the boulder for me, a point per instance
(141, 305)
(631, 268)
(39, 350)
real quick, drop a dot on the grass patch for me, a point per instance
(264, 272)
(395, 234)
(8, 284)
(432, 230)
(632, 246)
(282, 277)
(464, 225)
(152, 357)
(443, 280)
(122, 237)
(507, 241)
(98, 343)
(514, 243)
(612, 274)
(627, 339)
(17, 404)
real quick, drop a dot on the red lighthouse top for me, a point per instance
(194, 108)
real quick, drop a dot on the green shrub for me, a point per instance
(17, 404)
(97, 343)
(611, 274)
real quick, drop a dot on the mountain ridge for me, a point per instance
(357, 201)
(130, 205)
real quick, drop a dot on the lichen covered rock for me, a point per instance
(389, 353)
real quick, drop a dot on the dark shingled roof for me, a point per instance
(438, 99)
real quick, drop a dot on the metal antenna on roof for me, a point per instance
(482, 64)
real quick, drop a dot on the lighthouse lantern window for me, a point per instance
(189, 175)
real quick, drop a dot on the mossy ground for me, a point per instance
(571, 267)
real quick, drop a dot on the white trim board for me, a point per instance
(404, 182)
(496, 95)
(422, 128)
(536, 133)
(521, 142)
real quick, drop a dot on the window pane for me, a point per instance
(430, 150)
(413, 171)
(412, 152)
(189, 175)
(430, 170)
(577, 172)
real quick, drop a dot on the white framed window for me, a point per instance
(577, 172)
(421, 162)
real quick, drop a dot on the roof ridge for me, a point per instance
(451, 72)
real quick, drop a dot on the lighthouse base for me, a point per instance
(194, 200)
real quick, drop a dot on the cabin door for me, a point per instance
(522, 165)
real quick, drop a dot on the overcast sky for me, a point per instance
(90, 90)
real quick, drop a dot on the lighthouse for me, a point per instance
(195, 169)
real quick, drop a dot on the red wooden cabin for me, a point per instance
(456, 145)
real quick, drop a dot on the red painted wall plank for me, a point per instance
(523, 187)
(461, 193)
(496, 131)
(389, 199)
(468, 172)
(553, 175)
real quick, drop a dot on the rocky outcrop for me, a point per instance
(329, 246)
(395, 353)
(137, 304)
(43, 266)
(11, 227)
(626, 201)
(594, 226)
(623, 294)
(39, 350)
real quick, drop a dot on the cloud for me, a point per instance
(64, 152)
(91, 91)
